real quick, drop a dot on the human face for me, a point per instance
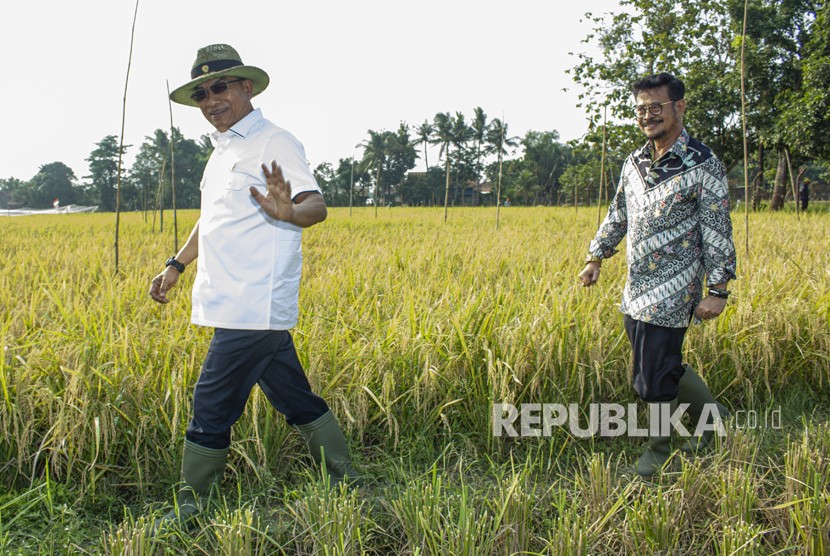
(667, 126)
(224, 109)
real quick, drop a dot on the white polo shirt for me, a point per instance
(249, 264)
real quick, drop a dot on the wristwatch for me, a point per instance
(593, 259)
(175, 264)
(720, 294)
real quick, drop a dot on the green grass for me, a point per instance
(411, 329)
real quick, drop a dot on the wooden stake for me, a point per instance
(173, 172)
(602, 168)
(121, 145)
(498, 186)
(743, 122)
(792, 182)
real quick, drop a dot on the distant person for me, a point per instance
(804, 194)
(673, 204)
(507, 202)
(257, 195)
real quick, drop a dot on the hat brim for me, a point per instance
(258, 77)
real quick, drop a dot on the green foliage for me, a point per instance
(153, 166)
(103, 169)
(388, 155)
(55, 180)
(410, 346)
(805, 119)
(689, 39)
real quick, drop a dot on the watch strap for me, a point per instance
(175, 264)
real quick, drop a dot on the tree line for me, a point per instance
(387, 173)
(146, 185)
(787, 80)
(787, 61)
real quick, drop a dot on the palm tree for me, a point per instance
(400, 156)
(478, 129)
(424, 133)
(461, 135)
(444, 136)
(497, 140)
(374, 155)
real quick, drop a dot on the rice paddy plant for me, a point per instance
(738, 495)
(438, 519)
(740, 539)
(329, 521)
(656, 519)
(411, 329)
(132, 537)
(571, 533)
(239, 532)
(514, 505)
(807, 495)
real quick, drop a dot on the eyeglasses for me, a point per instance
(217, 88)
(653, 109)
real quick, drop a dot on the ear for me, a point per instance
(680, 106)
(248, 85)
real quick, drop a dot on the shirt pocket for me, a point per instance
(244, 176)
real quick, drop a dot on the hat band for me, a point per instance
(211, 67)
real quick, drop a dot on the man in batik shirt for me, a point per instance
(673, 204)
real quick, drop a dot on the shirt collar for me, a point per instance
(240, 129)
(679, 147)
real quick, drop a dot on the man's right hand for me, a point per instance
(162, 283)
(589, 274)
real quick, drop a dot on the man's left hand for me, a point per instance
(277, 201)
(710, 307)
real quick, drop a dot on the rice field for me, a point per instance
(411, 329)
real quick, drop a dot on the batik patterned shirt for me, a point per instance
(675, 211)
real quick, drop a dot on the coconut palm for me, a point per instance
(424, 133)
(478, 130)
(462, 134)
(375, 151)
(444, 136)
(400, 156)
(497, 141)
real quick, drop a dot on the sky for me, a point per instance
(337, 69)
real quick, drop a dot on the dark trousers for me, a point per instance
(236, 360)
(658, 359)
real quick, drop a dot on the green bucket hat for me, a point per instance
(213, 62)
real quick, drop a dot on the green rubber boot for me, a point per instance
(658, 449)
(692, 390)
(202, 470)
(324, 436)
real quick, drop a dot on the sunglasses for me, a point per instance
(217, 88)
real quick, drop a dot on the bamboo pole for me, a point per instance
(743, 123)
(498, 185)
(121, 144)
(377, 187)
(351, 186)
(602, 179)
(792, 183)
(160, 193)
(173, 172)
(447, 187)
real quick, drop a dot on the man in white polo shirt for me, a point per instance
(257, 195)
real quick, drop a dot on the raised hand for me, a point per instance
(277, 200)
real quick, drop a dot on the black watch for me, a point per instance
(175, 264)
(720, 294)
